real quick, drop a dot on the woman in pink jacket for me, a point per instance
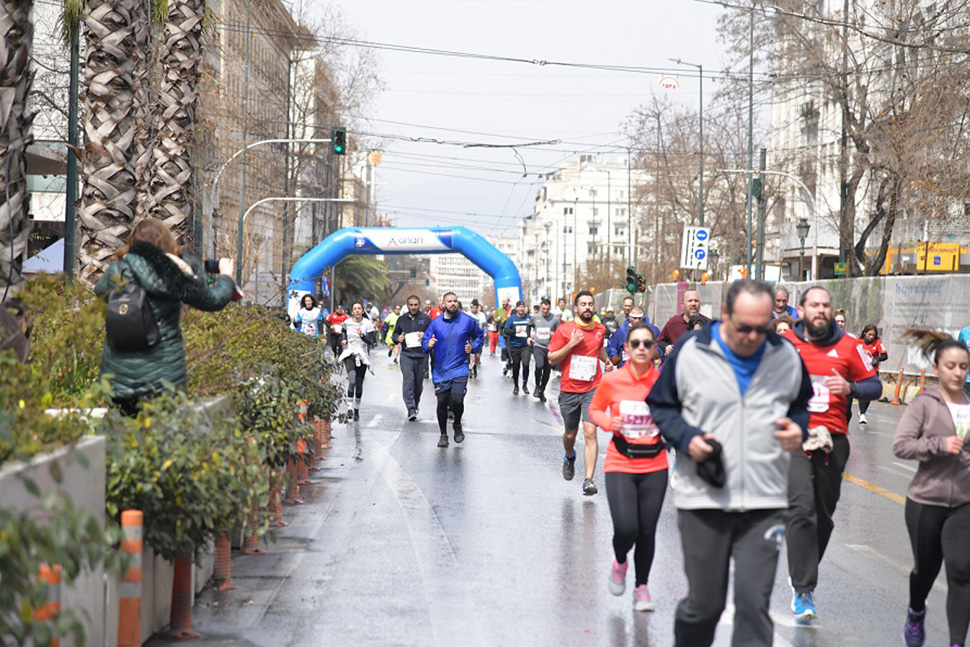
(933, 431)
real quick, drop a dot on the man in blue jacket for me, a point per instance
(517, 330)
(451, 339)
(614, 347)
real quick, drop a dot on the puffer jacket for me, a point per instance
(137, 375)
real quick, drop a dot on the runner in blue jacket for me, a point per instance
(451, 339)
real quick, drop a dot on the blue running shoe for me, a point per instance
(914, 631)
(803, 606)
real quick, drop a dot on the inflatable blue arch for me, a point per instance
(391, 240)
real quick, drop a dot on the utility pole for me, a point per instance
(245, 134)
(846, 233)
(750, 132)
(70, 195)
(288, 232)
(631, 258)
(760, 271)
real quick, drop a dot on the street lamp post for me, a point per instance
(700, 190)
(802, 230)
(214, 191)
(242, 222)
(714, 255)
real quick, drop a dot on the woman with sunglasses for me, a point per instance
(636, 463)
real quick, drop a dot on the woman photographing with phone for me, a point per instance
(933, 431)
(359, 336)
(636, 463)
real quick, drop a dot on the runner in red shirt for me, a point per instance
(336, 321)
(876, 354)
(578, 347)
(839, 369)
(636, 463)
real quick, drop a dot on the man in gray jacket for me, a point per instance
(732, 399)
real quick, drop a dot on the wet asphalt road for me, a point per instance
(402, 543)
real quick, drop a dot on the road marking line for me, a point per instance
(906, 467)
(892, 496)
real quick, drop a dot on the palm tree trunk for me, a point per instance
(16, 33)
(114, 75)
(180, 56)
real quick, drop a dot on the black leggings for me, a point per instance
(355, 378)
(543, 368)
(940, 535)
(863, 406)
(520, 358)
(635, 503)
(457, 403)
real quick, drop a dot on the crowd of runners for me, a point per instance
(745, 418)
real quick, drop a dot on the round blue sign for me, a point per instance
(700, 254)
(701, 235)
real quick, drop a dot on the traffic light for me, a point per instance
(631, 279)
(338, 140)
(641, 283)
(414, 272)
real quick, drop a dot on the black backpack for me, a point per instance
(130, 323)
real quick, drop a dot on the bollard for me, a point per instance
(129, 598)
(327, 433)
(49, 611)
(318, 442)
(302, 463)
(223, 569)
(899, 386)
(181, 616)
(922, 381)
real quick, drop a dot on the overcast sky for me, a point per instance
(492, 102)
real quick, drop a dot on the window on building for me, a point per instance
(567, 229)
(619, 231)
(593, 230)
(567, 211)
(590, 248)
(596, 211)
(592, 193)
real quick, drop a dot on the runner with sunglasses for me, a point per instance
(615, 348)
(636, 463)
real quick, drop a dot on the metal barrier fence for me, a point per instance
(893, 303)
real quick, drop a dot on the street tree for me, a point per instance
(893, 80)
(16, 33)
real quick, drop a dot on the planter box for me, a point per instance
(84, 483)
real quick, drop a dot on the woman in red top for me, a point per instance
(636, 463)
(876, 353)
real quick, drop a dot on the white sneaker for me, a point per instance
(862, 419)
(618, 577)
(641, 599)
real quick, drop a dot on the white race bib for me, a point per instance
(821, 397)
(522, 330)
(625, 356)
(582, 368)
(543, 334)
(338, 329)
(961, 418)
(637, 421)
(412, 339)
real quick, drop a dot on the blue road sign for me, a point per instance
(700, 254)
(701, 234)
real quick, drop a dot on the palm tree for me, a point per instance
(16, 32)
(180, 58)
(362, 277)
(115, 95)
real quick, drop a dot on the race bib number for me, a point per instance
(543, 334)
(637, 421)
(309, 327)
(961, 419)
(522, 330)
(625, 356)
(582, 368)
(338, 329)
(412, 339)
(821, 396)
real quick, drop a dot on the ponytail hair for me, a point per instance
(932, 343)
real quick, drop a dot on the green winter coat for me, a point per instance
(137, 375)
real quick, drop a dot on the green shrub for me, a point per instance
(70, 537)
(189, 471)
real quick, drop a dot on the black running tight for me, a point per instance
(520, 357)
(635, 503)
(456, 402)
(939, 536)
(355, 378)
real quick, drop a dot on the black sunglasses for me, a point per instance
(745, 330)
(646, 343)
